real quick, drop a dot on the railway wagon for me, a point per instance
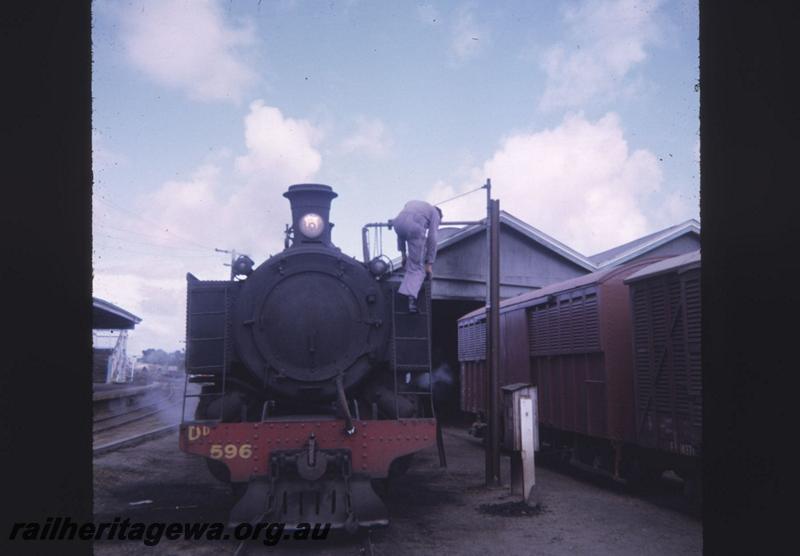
(573, 341)
(665, 304)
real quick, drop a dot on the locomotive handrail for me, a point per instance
(366, 227)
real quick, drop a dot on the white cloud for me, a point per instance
(370, 138)
(676, 207)
(188, 45)
(605, 40)
(182, 205)
(242, 215)
(578, 182)
(156, 235)
(220, 206)
(278, 147)
(174, 229)
(468, 37)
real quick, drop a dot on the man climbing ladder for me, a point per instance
(416, 225)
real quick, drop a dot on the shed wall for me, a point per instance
(460, 269)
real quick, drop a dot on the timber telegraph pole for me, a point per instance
(493, 338)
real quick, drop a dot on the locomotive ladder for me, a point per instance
(411, 348)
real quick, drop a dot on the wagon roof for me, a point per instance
(540, 296)
(681, 262)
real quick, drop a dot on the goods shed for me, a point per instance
(529, 260)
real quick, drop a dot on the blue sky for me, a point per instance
(583, 113)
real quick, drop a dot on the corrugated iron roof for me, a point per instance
(611, 257)
(637, 247)
(547, 241)
(447, 231)
(607, 260)
(687, 260)
(524, 228)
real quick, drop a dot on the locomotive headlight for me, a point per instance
(378, 266)
(312, 225)
(243, 266)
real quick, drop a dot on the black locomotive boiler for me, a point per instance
(308, 367)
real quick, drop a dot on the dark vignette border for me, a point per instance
(45, 391)
(750, 130)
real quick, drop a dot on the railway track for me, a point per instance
(108, 422)
(131, 440)
(111, 432)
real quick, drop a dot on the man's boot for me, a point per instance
(412, 304)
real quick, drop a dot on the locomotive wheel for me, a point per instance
(238, 489)
(381, 487)
(219, 470)
(400, 465)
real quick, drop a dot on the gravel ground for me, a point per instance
(432, 510)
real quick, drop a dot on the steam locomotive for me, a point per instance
(309, 368)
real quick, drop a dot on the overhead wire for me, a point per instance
(150, 244)
(148, 220)
(150, 236)
(459, 195)
(154, 254)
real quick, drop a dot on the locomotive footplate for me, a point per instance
(311, 486)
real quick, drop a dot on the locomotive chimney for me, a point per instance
(311, 207)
